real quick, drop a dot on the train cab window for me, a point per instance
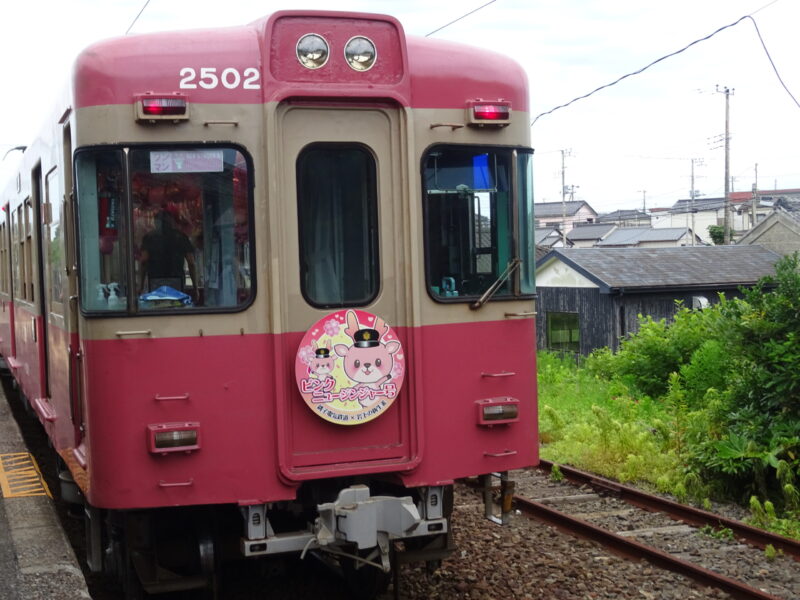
(477, 228)
(527, 223)
(337, 219)
(191, 233)
(173, 235)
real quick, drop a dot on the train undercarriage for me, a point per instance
(363, 532)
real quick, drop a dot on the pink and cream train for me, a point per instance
(269, 289)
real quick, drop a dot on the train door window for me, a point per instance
(563, 332)
(469, 221)
(54, 242)
(101, 186)
(338, 225)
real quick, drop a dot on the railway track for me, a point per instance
(711, 549)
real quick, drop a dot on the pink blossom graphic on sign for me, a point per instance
(331, 327)
(306, 353)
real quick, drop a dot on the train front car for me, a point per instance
(306, 293)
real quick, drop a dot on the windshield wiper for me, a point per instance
(512, 266)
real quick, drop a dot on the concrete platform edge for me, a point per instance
(45, 564)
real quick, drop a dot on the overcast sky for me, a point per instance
(626, 146)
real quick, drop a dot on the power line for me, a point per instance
(459, 18)
(137, 17)
(670, 55)
(774, 68)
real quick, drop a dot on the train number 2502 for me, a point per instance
(230, 78)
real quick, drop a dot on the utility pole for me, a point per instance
(754, 201)
(693, 195)
(644, 203)
(564, 154)
(728, 92)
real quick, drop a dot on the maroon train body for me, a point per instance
(269, 290)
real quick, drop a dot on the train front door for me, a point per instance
(346, 289)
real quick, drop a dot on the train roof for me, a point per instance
(415, 72)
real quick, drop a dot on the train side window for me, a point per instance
(338, 225)
(469, 221)
(4, 259)
(26, 250)
(103, 252)
(16, 251)
(55, 247)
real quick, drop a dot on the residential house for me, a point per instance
(548, 237)
(626, 218)
(699, 214)
(591, 298)
(647, 237)
(779, 231)
(564, 215)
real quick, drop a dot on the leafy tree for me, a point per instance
(717, 233)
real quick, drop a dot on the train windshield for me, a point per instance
(477, 227)
(164, 229)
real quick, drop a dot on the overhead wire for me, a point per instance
(137, 17)
(670, 55)
(464, 16)
(774, 68)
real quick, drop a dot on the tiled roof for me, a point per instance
(549, 210)
(623, 215)
(624, 236)
(541, 235)
(590, 232)
(664, 234)
(631, 236)
(684, 267)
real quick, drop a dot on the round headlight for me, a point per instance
(360, 53)
(312, 51)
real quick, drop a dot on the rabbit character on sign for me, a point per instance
(322, 364)
(368, 361)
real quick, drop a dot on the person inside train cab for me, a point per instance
(164, 251)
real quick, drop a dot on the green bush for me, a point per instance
(707, 405)
(708, 368)
(660, 348)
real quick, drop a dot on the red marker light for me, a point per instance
(164, 106)
(491, 112)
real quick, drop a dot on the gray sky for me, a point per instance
(627, 144)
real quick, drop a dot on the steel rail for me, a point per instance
(687, 514)
(634, 549)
